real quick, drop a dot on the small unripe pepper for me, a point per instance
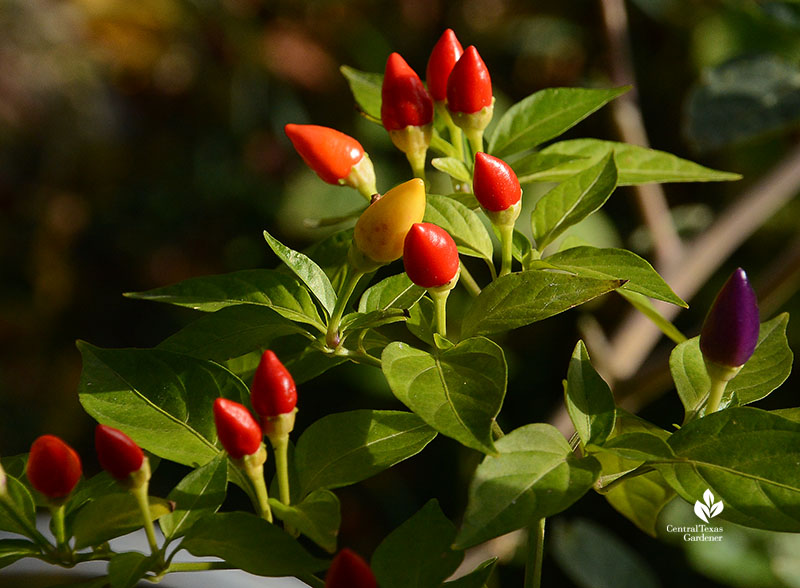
(381, 229)
(469, 95)
(730, 331)
(54, 468)
(349, 570)
(336, 158)
(237, 430)
(407, 111)
(117, 453)
(430, 256)
(443, 57)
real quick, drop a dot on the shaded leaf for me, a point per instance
(519, 299)
(366, 89)
(588, 398)
(458, 392)
(345, 448)
(396, 291)
(318, 517)
(417, 554)
(126, 569)
(572, 201)
(464, 225)
(111, 516)
(251, 544)
(536, 475)
(453, 167)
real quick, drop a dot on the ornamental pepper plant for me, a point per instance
(421, 292)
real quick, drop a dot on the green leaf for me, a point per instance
(396, 291)
(199, 494)
(609, 263)
(251, 544)
(764, 372)
(594, 558)
(536, 475)
(305, 269)
(111, 516)
(477, 578)
(748, 459)
(366, 89)
(417, 554)
(318, 517)
(545, 115)
(232, 332)
(639, 446)
(635, 165)
(642, 303)
(572, 201)
(126, 569)
(463, 224)
(589, 400)
(162, 400)
(642, 498)
(519, 299)
(744, 98)
(345, 448)
(262, 287)
(458, 392)
(25, 507)
(537, 165)
(521, 248)
(453, 167)
(331, 255)
(356, 321)
(12, 550)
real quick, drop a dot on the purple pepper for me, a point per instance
(730, 331)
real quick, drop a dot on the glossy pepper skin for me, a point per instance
(469, 87)
(117, 453)
(335, 157)
(273, 391)
(238, 432)
(494, 183)
(54, 468)
(430, 256)
(381, 229)
(404, 100)
(443, 57)
(349, 570)
(730, 331)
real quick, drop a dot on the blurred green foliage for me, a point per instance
(141, 143)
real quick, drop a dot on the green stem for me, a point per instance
(456, 136)
(469, 282)
(332, 338)
(475, 138)
(417, 161)
(533, 565)
(507, 242)
(256, 475)
(497, 432)
(143, 500)
(640, 471)
(59, 530)
(281, 448)
(440, 305)
(720, 376)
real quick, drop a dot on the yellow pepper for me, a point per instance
(381, 229)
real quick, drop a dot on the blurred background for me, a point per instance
(141, 143)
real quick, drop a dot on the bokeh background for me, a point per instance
(141, 143)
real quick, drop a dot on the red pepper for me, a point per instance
(404, 100)
(237, 430)
(430, 255)
(335, 157)
(273, 391)
(444, 56)
(117, 453)
(54, 468)
(469, 87)
(349, 570)
(494, 183)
